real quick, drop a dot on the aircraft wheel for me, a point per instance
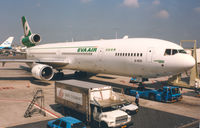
(59, 75)
(80, 74)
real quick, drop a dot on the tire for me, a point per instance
(59, 75)
(80, 74)
(103, 125)
(152, 97)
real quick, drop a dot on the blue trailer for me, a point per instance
(165, 94)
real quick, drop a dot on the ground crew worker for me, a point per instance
(137, 98)
(197, 89)
(196, 86)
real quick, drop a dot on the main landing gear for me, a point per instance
(59, 75)
(80, 74)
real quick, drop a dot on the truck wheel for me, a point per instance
(103, 125)
(152, 97)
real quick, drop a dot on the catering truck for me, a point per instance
(96, 102)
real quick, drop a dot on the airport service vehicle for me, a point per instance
(66, 122)
(128, 107)
(166, 94)
(139, 57)
(96, 102)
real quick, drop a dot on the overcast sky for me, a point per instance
(62, 20)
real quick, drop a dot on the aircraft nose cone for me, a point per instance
(189, 62)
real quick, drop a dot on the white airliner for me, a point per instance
(139, 57)
(7, 43)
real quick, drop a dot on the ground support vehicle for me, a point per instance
(128, 107)
(94, 101)
(165, 94)
(66, 122)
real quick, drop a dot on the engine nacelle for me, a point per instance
(43, 72)
(31, 40)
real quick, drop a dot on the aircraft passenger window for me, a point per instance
(140, 54)
(174, 51)
(128, 54)
(125, 54)
(134, 54)
(131, 54)
(168, 52)
(181, 51)
(115, 54)
(137, 54)
(120, 54)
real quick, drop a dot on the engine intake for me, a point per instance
(43, 72)
(31, 40)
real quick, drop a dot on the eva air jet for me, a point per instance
(139, 57)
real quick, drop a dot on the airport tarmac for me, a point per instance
(16, 92)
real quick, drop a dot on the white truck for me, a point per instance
(95, 101)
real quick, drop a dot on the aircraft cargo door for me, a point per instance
(149, 54)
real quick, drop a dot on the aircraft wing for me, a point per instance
(53, 63)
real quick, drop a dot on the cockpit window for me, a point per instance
(168, 52)
(182, 51)
(174, 51)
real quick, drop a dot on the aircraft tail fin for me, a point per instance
(8, 42)
(29, 39)
(26, 27)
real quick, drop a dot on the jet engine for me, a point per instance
(43, 72)
(31, 40)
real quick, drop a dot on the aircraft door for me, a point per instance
(100, 62)
(149, 54)
(100, 57)
(58, 54)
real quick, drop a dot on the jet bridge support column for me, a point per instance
(194, 74)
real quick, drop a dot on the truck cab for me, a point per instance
(170, 94)
(66, 122)
(110, 116)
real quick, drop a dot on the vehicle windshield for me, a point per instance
(127, 103)
(78, 125)
(117, 106)
(107, 109)
(175, 91)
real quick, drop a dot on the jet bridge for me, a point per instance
(194, 74)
